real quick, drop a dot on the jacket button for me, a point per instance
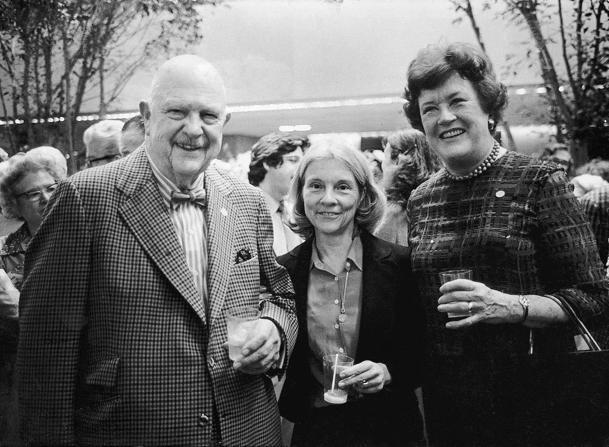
(203, 420)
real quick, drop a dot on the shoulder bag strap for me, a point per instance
(581, 327)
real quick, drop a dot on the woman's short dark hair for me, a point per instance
(434, 64)
(371, 207)
(416, 162)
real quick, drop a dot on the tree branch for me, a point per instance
(565, 57)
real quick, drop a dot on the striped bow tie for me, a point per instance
(196, 196)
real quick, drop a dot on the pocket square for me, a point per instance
(242, 256)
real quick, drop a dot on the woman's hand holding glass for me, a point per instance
(367, 377)
(483, 304)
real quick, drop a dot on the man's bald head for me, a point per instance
(186, 70)
(185, 117)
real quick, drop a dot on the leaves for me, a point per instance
(584, 43)
(93, 30)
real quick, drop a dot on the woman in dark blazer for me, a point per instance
(354, 295)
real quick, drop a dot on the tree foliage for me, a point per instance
(57, 54)
(577, 81)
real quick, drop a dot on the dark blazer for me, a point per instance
(116, 345)
(391, 332)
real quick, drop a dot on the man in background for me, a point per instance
(275, 158)
(101, 142)
(132, 135)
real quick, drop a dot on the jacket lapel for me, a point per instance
(147, 217)
(373, 300)
(222, 218)
(300, 277)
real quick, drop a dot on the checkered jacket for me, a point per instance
(116, 346)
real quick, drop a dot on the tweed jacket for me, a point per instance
(391, 331)
(116, 346)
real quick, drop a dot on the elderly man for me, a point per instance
(101, 142)
(275, 158)
(123, 328)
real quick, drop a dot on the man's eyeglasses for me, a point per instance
(34, 195)
(92, 162)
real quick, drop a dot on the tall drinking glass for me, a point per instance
(451, 275)
(240, 322)
(333, 365)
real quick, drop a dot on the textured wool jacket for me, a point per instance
(116, 346)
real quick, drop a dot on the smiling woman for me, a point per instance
(355, 296)
(511, 220)
(371, 203)
(330, 196)
(27, 181)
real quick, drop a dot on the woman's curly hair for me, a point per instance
(43, 158)
(434, 64)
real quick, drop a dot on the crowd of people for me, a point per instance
(114, 289)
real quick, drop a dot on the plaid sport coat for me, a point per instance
(116, 346)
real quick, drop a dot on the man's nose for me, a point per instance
(194, 125)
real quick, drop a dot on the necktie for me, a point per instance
(196, 196)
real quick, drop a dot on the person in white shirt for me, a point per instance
(275, 158)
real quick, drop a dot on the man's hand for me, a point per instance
(9, 297)
(261, 352)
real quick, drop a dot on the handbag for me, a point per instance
(533, 399)
(565, 396)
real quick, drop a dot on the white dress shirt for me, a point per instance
(284, 239)
(190, 223)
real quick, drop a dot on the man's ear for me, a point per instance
(227, 119)
(145, 112)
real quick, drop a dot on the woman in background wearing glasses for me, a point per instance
(27, 181)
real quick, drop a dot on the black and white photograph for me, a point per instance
(304, 223)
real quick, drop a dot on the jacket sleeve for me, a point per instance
(52, 317)
(278, 304)
(570, 261)
(596, 209)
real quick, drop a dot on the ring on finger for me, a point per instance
(363, 382)
(470, 306)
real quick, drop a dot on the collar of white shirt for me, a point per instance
(166, 186)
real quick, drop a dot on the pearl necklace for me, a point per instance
(488, 161)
